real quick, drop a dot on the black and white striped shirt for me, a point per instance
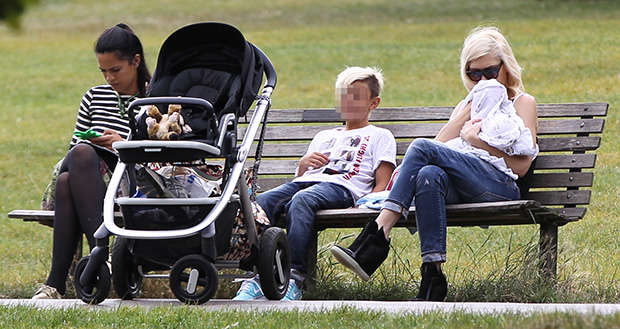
(99, 110)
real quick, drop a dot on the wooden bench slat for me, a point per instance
(272, 166)
(572, 197)
(471, 214)
(32, 215)
(45, 217)
(429, 130)
(550, 144)
(427, 113)
(565, 161)
(570, 179)
(572, 110)
(559, 144)
(579, 126)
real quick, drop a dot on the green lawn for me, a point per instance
(570, 51)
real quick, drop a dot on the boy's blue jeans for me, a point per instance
(438, 175)
(300, 202)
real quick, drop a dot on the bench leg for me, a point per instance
(311, 264)
(548, 245)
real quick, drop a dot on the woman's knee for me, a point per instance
(430, 174)
(421, 144)
(62, 183)
(430, 171)
(417, 149)
(81, 155)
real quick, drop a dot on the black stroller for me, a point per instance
(214, 74)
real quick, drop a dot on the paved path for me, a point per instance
(318, 306)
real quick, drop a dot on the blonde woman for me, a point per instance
(456, 167)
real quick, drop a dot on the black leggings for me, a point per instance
(80, 190)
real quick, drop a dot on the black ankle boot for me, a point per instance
(370, 228)
(433, 286)
(368, 255)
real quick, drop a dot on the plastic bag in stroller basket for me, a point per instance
(151, 184)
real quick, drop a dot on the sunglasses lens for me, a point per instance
(475, 76)
(491, 73)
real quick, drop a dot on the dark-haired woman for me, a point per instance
(80, 186)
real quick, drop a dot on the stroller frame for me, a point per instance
(193, 278)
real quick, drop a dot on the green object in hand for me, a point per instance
(88, 134)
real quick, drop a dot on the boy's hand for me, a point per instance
(106, 140)
(312, 161)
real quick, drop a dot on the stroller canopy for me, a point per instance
(212, 61)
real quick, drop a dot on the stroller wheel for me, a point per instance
(99, 287)
(274, 263)
(126, 278)
(193, 279)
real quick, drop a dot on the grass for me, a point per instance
(345, 317)
(570, 52)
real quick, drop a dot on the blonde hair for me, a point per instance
(488, 40)
(370, 75)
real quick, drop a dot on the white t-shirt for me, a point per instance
(354, 155)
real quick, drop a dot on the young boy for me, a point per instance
(340, 166)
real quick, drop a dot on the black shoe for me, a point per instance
(368, 256)
(370, 228)
(433, 286)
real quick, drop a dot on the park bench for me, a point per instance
(569, 135)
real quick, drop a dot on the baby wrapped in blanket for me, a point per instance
(501, 127)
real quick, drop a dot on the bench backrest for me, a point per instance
(568, 134)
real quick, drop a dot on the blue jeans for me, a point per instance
(438, 175)
(300, 202)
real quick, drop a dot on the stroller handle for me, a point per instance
(270, 71)
(171, 100)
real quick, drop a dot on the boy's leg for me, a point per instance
(300, 212)
(274, 200)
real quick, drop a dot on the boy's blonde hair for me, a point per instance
(488, 40)
(370, 75)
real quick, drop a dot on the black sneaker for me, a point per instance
(433, 286)
(367, 257)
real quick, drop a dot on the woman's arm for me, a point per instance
(457, 119)
(526, 109)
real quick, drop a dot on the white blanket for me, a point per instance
(501, 127)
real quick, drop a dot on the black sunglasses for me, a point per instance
(489, 73)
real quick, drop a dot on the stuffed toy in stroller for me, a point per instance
(167, 126)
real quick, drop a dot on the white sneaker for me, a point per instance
(46, 292)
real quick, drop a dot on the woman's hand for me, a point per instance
(469, 131)
(311, 161)
(526, 109)
(106, 140)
